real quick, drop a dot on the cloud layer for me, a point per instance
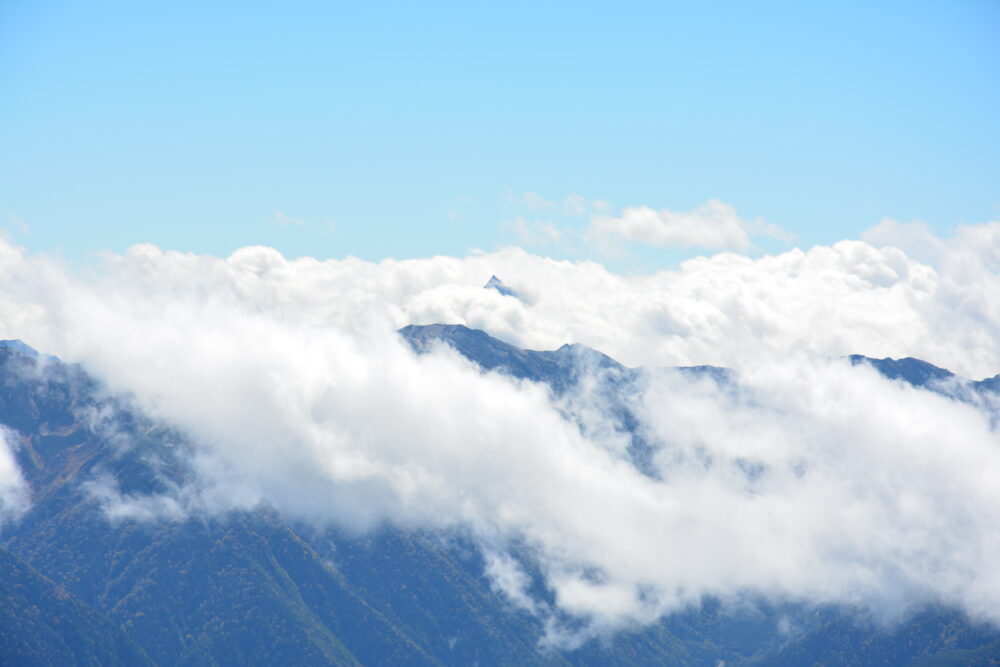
(816, 481)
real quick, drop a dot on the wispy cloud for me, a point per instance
(575, 205)
(712, 226)
(15, 223)
(284, 220)
(530, 200)
(534, 233)
(288, 221)
(19, 224)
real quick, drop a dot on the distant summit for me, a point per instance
(497, 284)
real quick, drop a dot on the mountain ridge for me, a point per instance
(253, 587)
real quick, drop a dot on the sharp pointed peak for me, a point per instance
(495, 283)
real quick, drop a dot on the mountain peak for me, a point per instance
(498, 285)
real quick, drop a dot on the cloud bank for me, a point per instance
(816, 481)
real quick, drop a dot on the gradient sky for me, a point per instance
(412, 129)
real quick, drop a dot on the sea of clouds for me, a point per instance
(816, 481)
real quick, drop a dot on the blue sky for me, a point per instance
(412, 129)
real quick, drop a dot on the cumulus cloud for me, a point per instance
(813, 481)
(972, 247)
(712, 226)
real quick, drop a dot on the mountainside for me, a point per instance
(255, 588)
(246, 588)
(42, 624)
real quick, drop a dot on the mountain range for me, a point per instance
(254, 587)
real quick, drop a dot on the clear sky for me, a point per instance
(411, 129)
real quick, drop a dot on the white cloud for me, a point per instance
(827, 481)
(713, 226)
(973, 248)
(13, 489)
(298, 392)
